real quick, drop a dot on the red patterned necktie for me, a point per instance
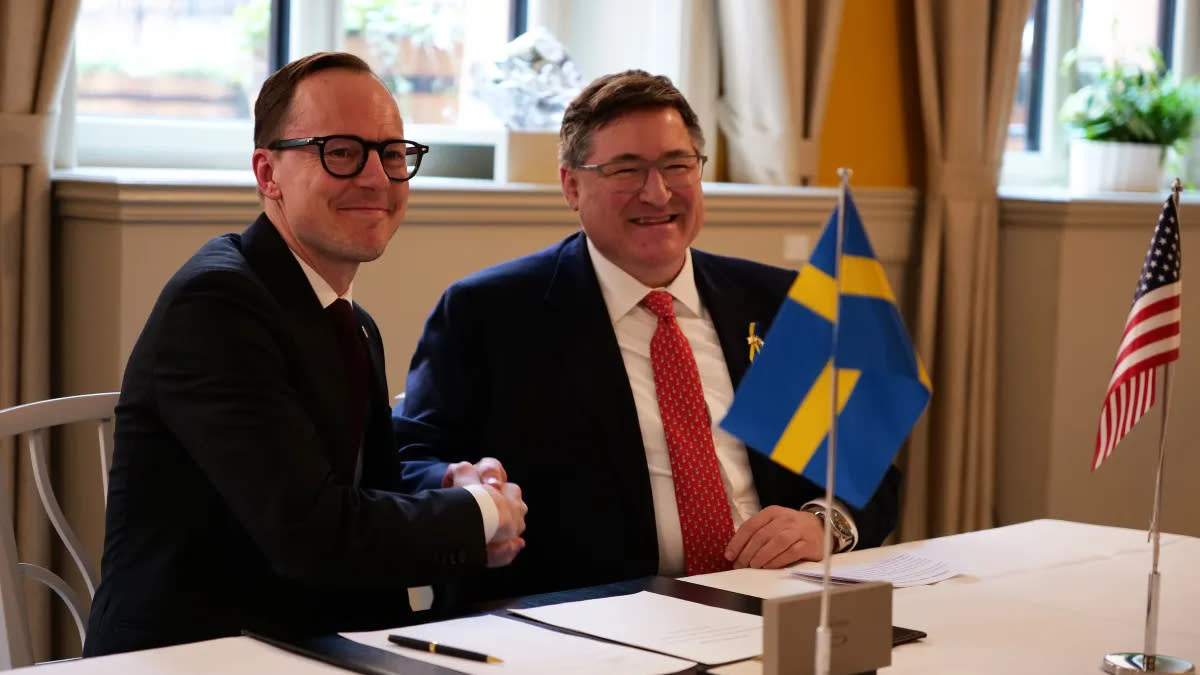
(704, 516)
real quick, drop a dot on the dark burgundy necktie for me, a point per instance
(705, 518)
(358, 368)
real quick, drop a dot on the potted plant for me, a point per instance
(1124, 123)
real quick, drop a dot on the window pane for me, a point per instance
(424, 50)
(171, 58)
(1115, 30)
(1019, 120)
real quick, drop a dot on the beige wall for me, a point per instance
(1067, 271)
(119, 242)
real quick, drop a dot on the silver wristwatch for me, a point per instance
(843, 534)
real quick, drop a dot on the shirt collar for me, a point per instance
(622, 292)
(325, 293)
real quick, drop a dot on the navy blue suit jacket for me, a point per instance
(520, 362)
(231, 502)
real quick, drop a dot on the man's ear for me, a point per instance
(570, 186)
(262, 161)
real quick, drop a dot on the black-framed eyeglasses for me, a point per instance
(344, 156)
(629, 175)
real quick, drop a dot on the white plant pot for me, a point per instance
(1104, 166)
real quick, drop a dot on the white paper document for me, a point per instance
(757, 583)
(902, 570)
(685, 629)
(751, 667)
(522, 648)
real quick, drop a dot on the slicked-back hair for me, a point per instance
(274, 102)
(612, 96)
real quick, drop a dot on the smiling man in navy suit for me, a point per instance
(594, 371)
(251, 483)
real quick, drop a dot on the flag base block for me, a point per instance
(860, 617)
(1131, 663)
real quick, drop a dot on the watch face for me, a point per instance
(839, 522)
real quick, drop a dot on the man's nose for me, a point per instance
(373, 171)
(655, 190)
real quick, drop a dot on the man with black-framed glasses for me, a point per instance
(252, 483)
(596, 369)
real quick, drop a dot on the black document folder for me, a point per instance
(353, 656)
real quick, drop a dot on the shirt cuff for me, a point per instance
(840, 508)
(487, 509)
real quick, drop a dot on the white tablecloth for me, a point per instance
(1045, 596)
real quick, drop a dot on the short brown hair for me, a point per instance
(274, 101)
(611, 96)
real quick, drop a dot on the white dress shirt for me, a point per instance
(634, 326)
(326, 296)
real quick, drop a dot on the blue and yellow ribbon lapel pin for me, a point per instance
(754, 341)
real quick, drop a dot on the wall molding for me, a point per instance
(1058, 209)
(133, 197)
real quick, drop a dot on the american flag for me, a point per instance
(1151, 337)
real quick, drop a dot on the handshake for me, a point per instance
(506, 543)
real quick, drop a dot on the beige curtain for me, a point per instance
(35, 38)
(776, 66)
(967, 56)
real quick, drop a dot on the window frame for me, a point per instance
(1047, 164)
(195, 143)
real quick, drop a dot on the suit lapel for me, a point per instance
(587, 349)
(731, 313)
(378, 468)
(323, 379)
(375, 350)
(588, 358)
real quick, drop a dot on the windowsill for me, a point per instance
(233, 178)
(229, 178)
(1064, 195)
(156, 197)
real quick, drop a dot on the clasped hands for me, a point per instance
(771, 539)
(506, 543)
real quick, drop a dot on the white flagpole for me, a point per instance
(1151, 641)
(1150, 661)
(823, 653)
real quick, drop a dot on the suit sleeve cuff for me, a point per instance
(845, 512)
(491, 515)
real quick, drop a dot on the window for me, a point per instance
(1115, 30)
(1024, 127)
(170, 59)
(173, 82)
(1086, 34)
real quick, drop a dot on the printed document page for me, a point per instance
(522, 648)
(757, 583)
(689, 630)
(902, 570)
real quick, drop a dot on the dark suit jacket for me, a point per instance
(231, 504)
(520, 362)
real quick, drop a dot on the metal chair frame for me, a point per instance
(34, 420)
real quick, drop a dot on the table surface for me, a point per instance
(1044, 596)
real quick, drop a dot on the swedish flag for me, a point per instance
(782, 406)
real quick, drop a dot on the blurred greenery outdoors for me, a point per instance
(1134, 103)
(381, 22)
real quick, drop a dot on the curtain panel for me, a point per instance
(967, 57)
(776, 68)
(35, 39)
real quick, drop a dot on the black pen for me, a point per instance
(437, 648)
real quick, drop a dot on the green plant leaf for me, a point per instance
(1133, 104)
